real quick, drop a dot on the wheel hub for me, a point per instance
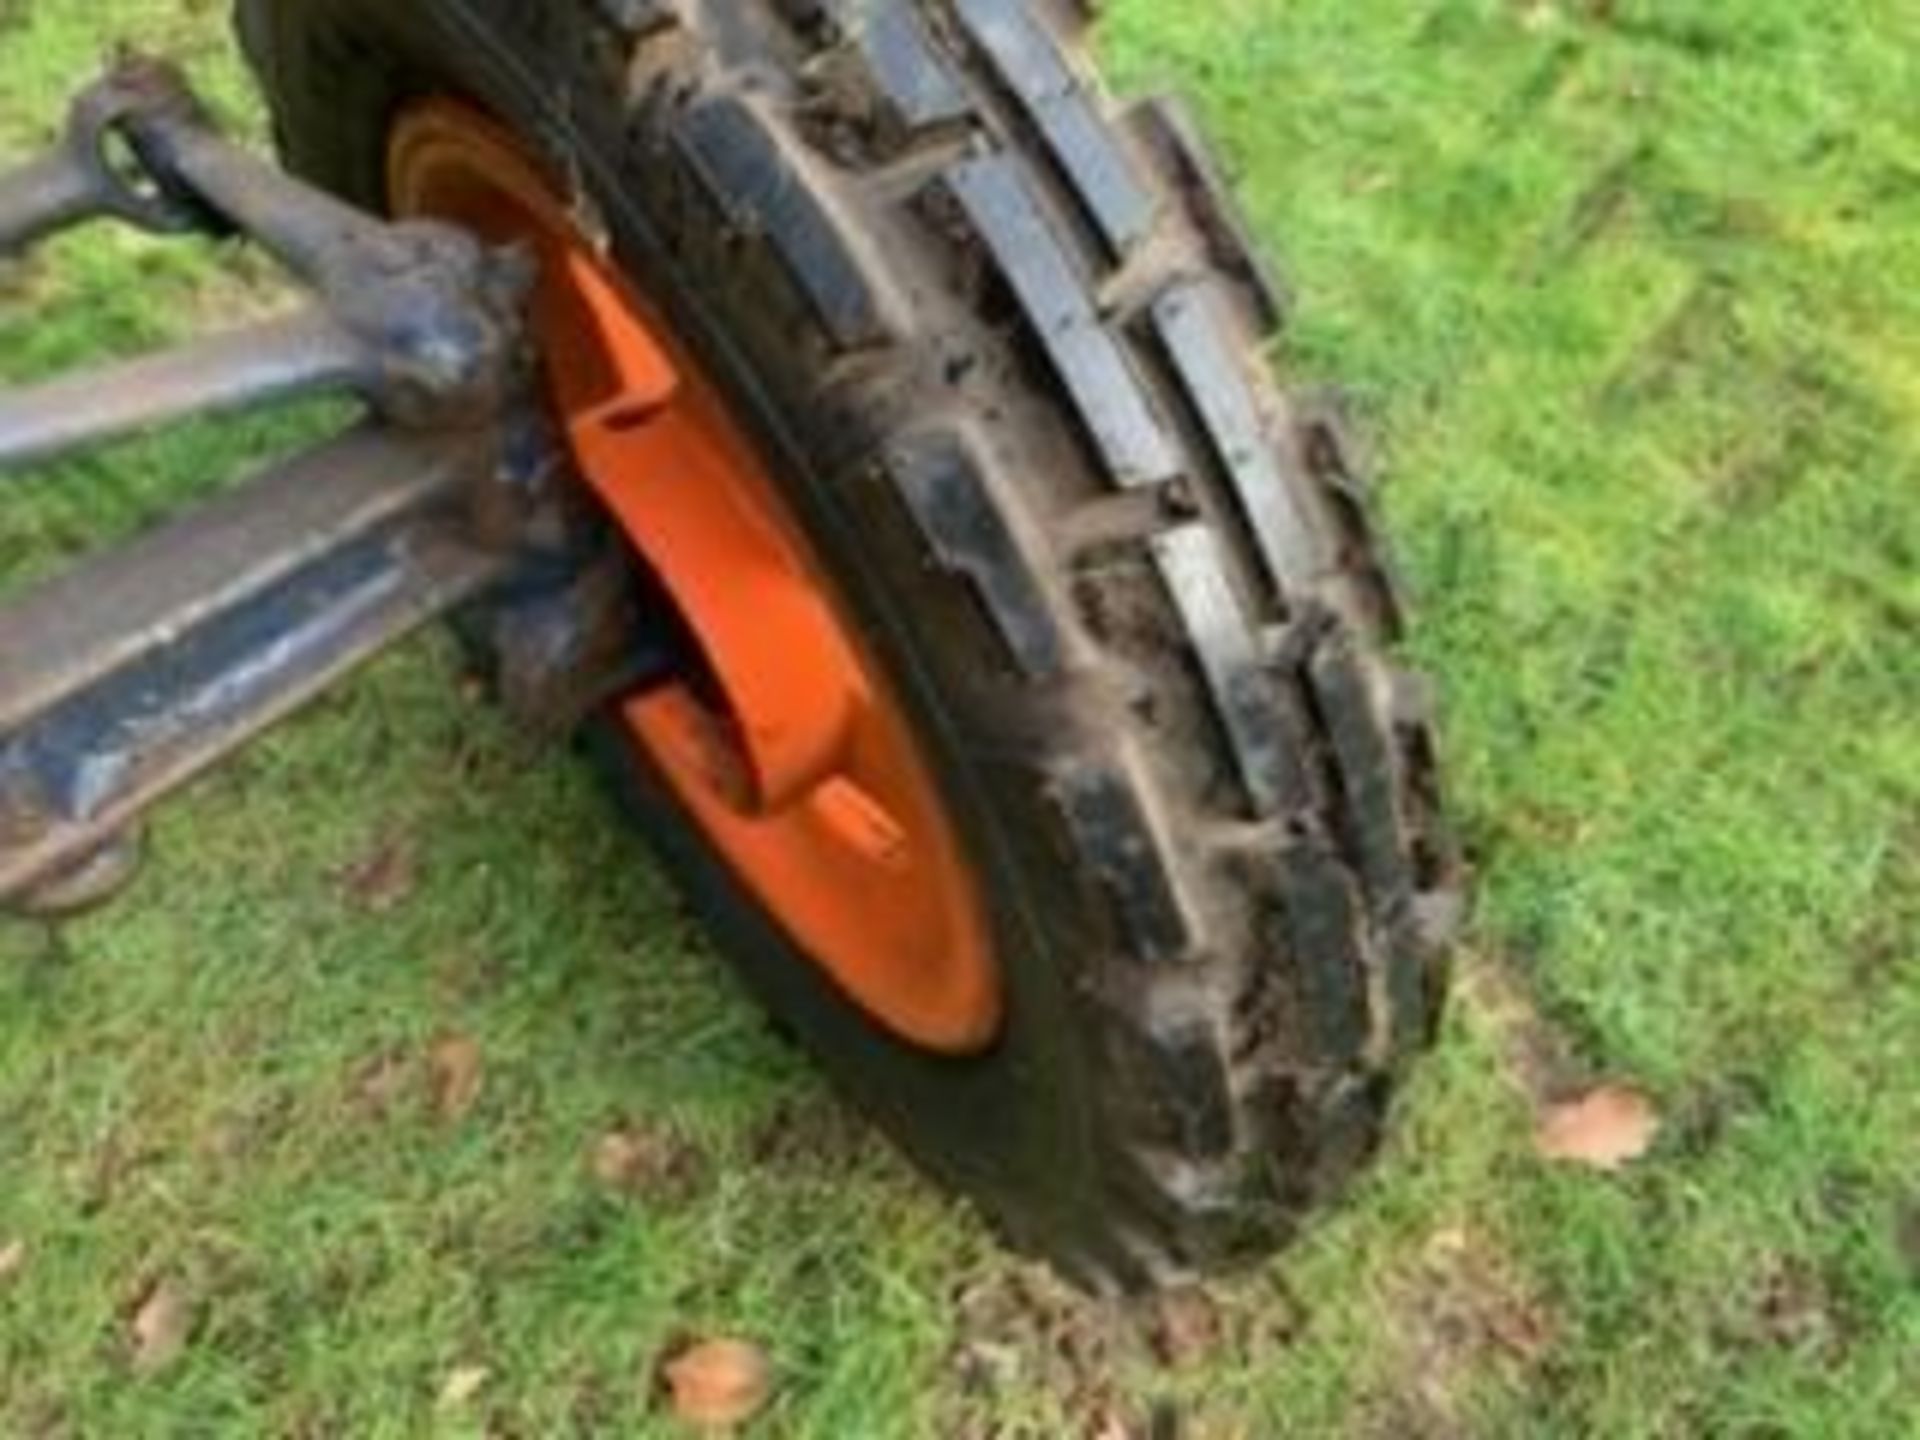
(781, 738)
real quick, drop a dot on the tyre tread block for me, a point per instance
(947, 494)
(1030, 63)
(1119, 849)
(1004, 212)
(746, 170)
(1321, 929)
(1241, 684)
(917, 81)
(1213, 377)
(1370, 780)
(1167, 128)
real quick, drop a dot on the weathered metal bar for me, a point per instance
(307, 230)
(79, 625)
(301, 354)
(42, 198)
(125, 678)
(76, 180)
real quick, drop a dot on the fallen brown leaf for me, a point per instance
(1605, 1129)
(457, 1074)
(160, 1327)
(718, 1384)
(383, 879)
(463, 1383)
(1185, 1328)
(13, 1259)
(642, 1161)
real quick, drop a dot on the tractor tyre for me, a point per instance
(996, 344)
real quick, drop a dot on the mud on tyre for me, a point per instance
(1000, 344)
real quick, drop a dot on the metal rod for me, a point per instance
(307, 230)
(77, 180)
(300, 354)
(126, 678)
(42, 198)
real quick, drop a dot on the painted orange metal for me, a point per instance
(790, 751)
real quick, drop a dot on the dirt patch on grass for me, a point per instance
(1105, 1369)
(1800, 1311)
(1889, 937)
(1020, 1331)
(1716, 1107)
(812, 1135)
(1795, 1307)
(1539, 1057)
(1906, 1236)
(1462, 1314)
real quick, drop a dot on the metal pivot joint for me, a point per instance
(144, 667)
(420, 320)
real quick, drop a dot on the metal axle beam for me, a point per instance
(128, 676)
(143, 668)
(303, 354)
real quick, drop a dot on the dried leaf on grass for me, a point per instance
(642, 1160)
(463, 1383)
(383, 879)
(159, 1327)
(1604, 1129)
(1112, 1422)
(457, 1073)
(717, 1384)
(13, 1259)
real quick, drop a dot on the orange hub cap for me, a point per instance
(782, 741)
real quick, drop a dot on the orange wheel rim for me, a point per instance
(784, 743)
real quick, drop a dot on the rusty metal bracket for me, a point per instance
(142, 668)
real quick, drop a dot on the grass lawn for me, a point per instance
(1629, 297)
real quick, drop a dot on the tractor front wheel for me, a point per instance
(1033, 751)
